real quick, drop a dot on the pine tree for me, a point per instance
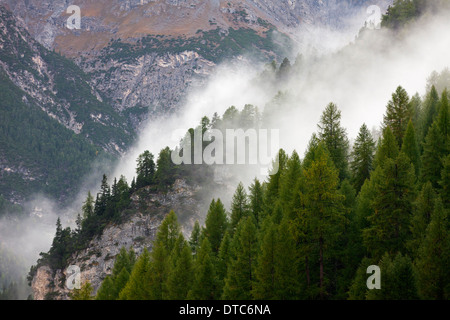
(397, 114)
(394, 194)
(240, 273)
(362, 157)
(239, 207)
(205, 282)
(335, 138)
(216, 224)
(434, 256)
(410, 147)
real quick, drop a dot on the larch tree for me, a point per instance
(335, 138)
(397, 114)
(216, 225)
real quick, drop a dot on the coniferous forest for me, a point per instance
(311, 229)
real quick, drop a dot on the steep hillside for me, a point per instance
(144, 55)
(53, 123)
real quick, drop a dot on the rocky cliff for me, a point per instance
(138, 230)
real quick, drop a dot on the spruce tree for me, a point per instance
(430, 112)
(362, 157)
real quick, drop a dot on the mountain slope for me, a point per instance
(53, 123)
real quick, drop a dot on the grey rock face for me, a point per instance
(138, 230)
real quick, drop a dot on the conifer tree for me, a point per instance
(88, 206)
(397, 114)
(264, 283)
(445, 182)
(204, 285)
(394, 194)
(145, 169)
(410, 147)
(223, 260)
(362, 157)
(286, 264)
(430, 112)
(423, 210)
(434, 256)
(180, 277)
(216, 224)
(239, 207)
(433, 153)
(271, 195)
(106, 290)
(397, 279)
(288, 183)
(194, 240)
(335, 138)
(256, 198)
(240, 272)
(387, 148)
(323, 212)
(84, 293)
(137, 287)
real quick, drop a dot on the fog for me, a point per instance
(359, 78)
